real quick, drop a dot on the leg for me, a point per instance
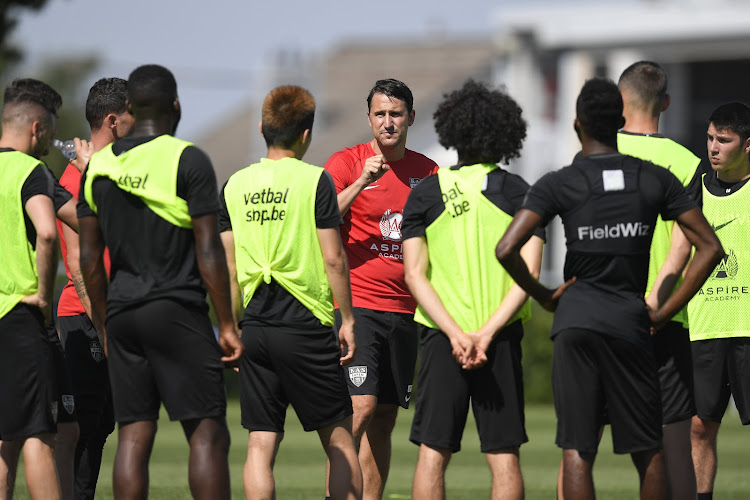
(578, 480)
(65, 449)
(703, 437)
(39, 464)
(364, 409)
(678, 460)
(130, 474)
(262, 447)
(375, 450)
(429, 478)
(96, 421)
(507, 482)
(9, 452)
(652, 474)
(345, 480)
(208, 471)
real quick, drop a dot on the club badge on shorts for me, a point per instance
(96, 351)
(358, 375)
(68, 403)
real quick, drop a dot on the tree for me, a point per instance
(10, 55)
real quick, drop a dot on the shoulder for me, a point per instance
(419, 161)
(350, 156)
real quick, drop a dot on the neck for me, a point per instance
(101, 138)
(390, 154)
(152, 124)
(16, 142)
(279, 153)
(735, 175)
(641, 123)
(591, 146)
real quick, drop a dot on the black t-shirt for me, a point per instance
(272, 304)
(150, 257)
(425, 202)
(608, 295)
(40, 181)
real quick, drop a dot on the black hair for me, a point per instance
(734, 117)
(481, 124)
(29, 90)
(287, 112)
(108, 95)
(599, 110)
(394, 89)
(152, 86)
(647, 82)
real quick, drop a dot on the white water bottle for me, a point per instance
(67, 148)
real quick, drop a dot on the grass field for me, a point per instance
(301, 463)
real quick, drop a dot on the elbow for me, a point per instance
(717, 252)
(504, 251)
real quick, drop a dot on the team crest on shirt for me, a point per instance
(96, 351)
(390, 225)
(68, 403)
(358, 375)
(413, 181)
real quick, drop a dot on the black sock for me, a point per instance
(706, 496)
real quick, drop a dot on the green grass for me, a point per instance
(300, 466)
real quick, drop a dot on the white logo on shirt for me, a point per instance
(390, 225)
(371, 186)
(358, 375)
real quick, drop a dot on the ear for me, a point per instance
(260, 127)
(128, 106)
(176, 104)
(747, 145)
(110, 121)
(666, 102)
(306, 136)
(411, 117)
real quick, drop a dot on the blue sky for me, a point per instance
(219, 49)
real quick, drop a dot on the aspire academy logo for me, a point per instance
(727, 268)
(390, 225)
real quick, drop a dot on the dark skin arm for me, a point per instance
(508, 252)
(212, 265)
(94, 273)
(708, 253)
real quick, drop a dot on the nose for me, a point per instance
(387, 121)
(712, 146)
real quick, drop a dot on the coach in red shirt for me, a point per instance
(373, 181)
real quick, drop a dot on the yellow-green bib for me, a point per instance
(271, 206)
(461, 244)
(720, 308)
(148, 171)
(683, 164)
(19, 277)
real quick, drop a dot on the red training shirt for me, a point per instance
(70, 304)
(371, 232)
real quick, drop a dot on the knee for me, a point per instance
(703, 430)
(383, 420)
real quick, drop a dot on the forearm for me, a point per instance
(74, 266)
(428, 299)
(213, 269)
(46, 264)
(531, 253)
(95, 283)
(670, 272)
(347, 195)
(227, 240)
(337, 272)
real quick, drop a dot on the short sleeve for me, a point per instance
(339, 165)
(39, 181)
(61, 195)
(327, 212)
(541, 198)
(418, 211)
(223, 219)
(514, 190)
(196, 182)
(83, 208)
(676, 199)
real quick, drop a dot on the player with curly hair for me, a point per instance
(470, 306)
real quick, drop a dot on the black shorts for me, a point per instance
(283, 366)
(675, 362)
(495, 391)
(28, 391)
(66, 402)
(722, 367)
(593, 372)
(164, 351)
(386, 355)
(87, 365)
